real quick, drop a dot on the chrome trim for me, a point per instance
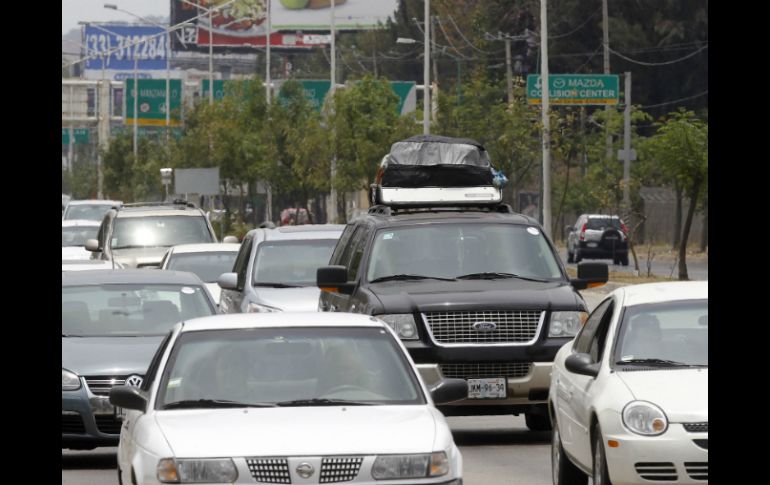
(539, 329)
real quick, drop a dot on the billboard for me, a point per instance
(126, 40)
(244, 23)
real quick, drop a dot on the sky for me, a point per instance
(73, 11)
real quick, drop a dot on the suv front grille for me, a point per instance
(510, 327)
(269, 470)
(697, 470)
(697, 427)
(656, 471)
(341, 469)
(502, 369)
(101, 385)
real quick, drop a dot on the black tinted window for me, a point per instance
(599, 223)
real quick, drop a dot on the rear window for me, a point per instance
(600, 223)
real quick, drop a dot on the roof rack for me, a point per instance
(386, 210)
(174, 203)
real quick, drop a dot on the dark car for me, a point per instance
(113, 321)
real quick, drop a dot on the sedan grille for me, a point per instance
(485, 327)
(341, 469)
(72, 424)
(656, 471)
(101, 385)
(697, 427)
(269, 470)
(697, 470)
(108, 424)
(502, 369)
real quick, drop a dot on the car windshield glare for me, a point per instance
(88, 212)
(129, 309)
(154, 231)
(207, 265)
(291, 262)
(671, 331)
(77, 235)
(453, 250)
(289, 366)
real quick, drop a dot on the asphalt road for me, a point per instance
(696, 270)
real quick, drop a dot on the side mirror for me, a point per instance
(590, 275)
(228, 281)
(230, 240)
(449, 390)
(581, 364)
(128, 397)
(92, 245)
(334, 279)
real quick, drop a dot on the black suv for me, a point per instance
(477, 293)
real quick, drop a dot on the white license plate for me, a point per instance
(591, 245)
(489, 388)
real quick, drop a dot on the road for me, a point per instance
(696, 269)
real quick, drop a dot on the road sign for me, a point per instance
(575, 89)
(148, 131)
(81, 136)
(622, 154)
(407, 93)
(152, 102)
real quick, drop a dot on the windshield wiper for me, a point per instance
(275, 285)
(323, 402)
(655, 362)
(495, 276)
(396, 277)
(215, 403)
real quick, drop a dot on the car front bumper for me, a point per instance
(85, 417)
(592, 249)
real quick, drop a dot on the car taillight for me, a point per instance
(624, 228)
(583, 232)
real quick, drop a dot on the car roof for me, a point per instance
(281, 319)
(664, 292)
(442, 215)
(152, 211)
(80, 222)
(129, 276)
(95, 202)
(205, 248)
(304, 231)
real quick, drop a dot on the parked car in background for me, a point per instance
(629, 396)
(208, 261)
(92, 210)
(112, 324)
(139, 235)
(88, 264)
(596, 236)
(74, 234)
(286, 398)
(275, 269)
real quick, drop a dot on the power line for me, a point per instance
(677, 100)
(658, 63)
(590, 58)
(441, 25)
(560, 36)
(451, 19)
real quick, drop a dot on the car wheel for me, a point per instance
(578, 257)
(624, 260)
(601, 474)
(570, 257)
(538, 421)
(563, 471)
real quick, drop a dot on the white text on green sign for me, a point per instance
(580, 89)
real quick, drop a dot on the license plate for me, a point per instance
(591, 245)
(120, 413)
(489, 388)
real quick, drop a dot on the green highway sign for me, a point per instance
(152, 102)
(222, 87)
(81, 136)
(575, 89)
(315, 92)
(147, 131)
(403, 89)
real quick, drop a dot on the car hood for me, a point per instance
(503, 294)
(303, 299)
(681, 393)
(107, 356)
(137, 257)
(293, 431)
(72, 253)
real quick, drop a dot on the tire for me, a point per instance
(601, 475)
(570, 257)
(624, 260)
(578, 257)
(615, 260)
(538, 421)
(563, 471)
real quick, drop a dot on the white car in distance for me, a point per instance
(208, 261)
(629, 396)
(74, 234)
(286, 398)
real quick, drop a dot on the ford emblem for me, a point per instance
(484, 326)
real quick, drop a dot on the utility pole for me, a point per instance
(268, 81)
(103, 131)
(332, 88)
(508, 72)
(426, 73)
(70, 147)
(627, 148)
(136, 109)
(606, 43)
(546, 122)
(435, 58)
(211, 56)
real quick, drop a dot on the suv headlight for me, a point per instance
(644, 418)
(219, 470)
(401, 323)
(69, 381)
(257, 308)
(566, 324)
(388, 467)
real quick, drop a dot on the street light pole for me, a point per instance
(332, 88)
(268, 81)
(546, 121)
(426, 73)
(211, 57)
(136, 109)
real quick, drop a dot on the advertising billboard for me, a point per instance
(244, 22)
(140, 43)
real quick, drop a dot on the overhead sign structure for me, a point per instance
(575, 89)
(127, 40)
(151, 103)
(80, 135)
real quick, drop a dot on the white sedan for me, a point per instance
(208, 261)
(286, 398)
(74, 234)
(629, 396)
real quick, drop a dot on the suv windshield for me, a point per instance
(291, 262)
(454, 250)
(208, 266)
(131, 232)
(288, 367)
(88, 212)
(600, 223)
(657, 333)
(129, 309)
(77, 235)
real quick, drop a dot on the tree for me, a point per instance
(681, 148)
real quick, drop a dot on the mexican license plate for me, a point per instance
(489, 388)
(591, 245)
